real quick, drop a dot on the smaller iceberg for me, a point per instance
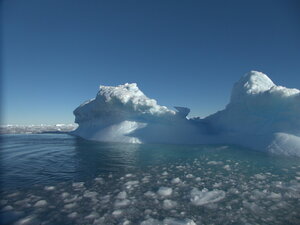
(260, 115)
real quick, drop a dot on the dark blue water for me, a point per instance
(61, 179)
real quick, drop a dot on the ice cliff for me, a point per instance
(260, 115)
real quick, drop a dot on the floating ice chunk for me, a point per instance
(260, 176)
(148, 211)
(203, 197)
(253, 207)
(150, 194)
(126, 222)
(40, 203)
(165, 173)
(259, 194)
(65, 195)
(78, 185)
(117, 213)
(122, 195)
(73, 215)
(168, 221)
(217, 185)
(105, 199)
(169, 204)
(12, 195)
(176, 180)
(227, 167)
(92, 215)
(99, 180)
(173, 221)
(122, 203)
(49, 188)
(151, 221)
(75, 198)
(90, 194)
(233, 191)
(131, 184)
(274, 195)
(164, 191)
(214, 163)
(145, 179)
(198, 179)
(189, 176)
(70, 205)
(8, 208)
(26, 221)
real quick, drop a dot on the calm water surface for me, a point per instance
(60, 179)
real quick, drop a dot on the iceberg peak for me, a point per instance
(182, 111)
(117, 103)
(251, 83)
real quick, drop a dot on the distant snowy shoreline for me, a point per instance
(37, 129)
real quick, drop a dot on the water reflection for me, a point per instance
(53, 158)
(94, 158)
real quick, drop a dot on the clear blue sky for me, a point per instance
(182, 53)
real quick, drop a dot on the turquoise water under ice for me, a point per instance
(61, 179)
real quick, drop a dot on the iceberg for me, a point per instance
(260, 116)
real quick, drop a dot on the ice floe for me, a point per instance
(204, 196)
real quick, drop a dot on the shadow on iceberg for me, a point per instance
(260, 115)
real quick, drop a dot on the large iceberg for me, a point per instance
(260, 115)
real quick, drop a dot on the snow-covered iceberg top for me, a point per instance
(120, 103)
(260, 115)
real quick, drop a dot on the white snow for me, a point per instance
(260, 115)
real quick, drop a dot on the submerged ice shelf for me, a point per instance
(260, 115)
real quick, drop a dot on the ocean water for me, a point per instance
(61, 179)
